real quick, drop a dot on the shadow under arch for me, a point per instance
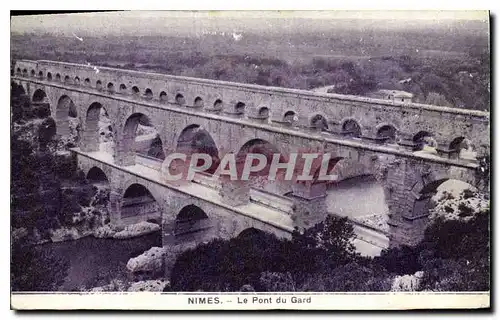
(41, 104)
(251, 233)
(422, 139)
(195, 139)
(139, 204)
(387, 132)
(351, 127)
(191, 224)
(66, 118)
(258, 146)
(99, 134)
(318, 122)
(425, 194)
(140, 139)
(39, 96)
(96, 176)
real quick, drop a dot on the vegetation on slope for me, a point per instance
(454, 256)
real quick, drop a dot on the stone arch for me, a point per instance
(251, 232)
(195, 139)
(39, 96)
(351, 127)
(318, 122)
(49, 76)
(387, 131)
(139, 204)
(40, 74)
(18, 71)
(87, 82)
(290, 117)
(148, 94)
(461, 147)
(98, 85)
(33, 73)
(423, 192)
(67, 118)
(346, 168)
(359, 193)
(263, 113)
(423, 139)
(218, 105)
(77, 80)
(96, 175)
(67, 79)
(123, 88)
(179, 99)
(163, 96)
(99, 134)
(110, 87)
(58, 77)
(316, 168)
(239, 108)
(139, 136)
(263, 147)
(135, 91)
(198, 102)
(191, 224)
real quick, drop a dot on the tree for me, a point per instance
(324, 246)
(437, 100)
(36, 269)
(259, 259)
(351, 277)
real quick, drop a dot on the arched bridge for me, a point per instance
(125, 123)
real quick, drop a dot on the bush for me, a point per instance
(255, 256)
(456, 275)
(351, 277)
(454, 255)
(400, 260)
(36, 269)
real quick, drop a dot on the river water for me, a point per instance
(95, 262)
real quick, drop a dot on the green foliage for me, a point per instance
(255, 257)
(324, 246)
(458, 239)
(222, 265)
(36, 268)
(277, 281)
(400, 260)
(454, 255)
(456, 275)
(46, 189)
(351, 277)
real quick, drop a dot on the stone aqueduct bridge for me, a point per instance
(373, 136)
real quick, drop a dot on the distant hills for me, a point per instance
(166, 23)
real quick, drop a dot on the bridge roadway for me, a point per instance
(270, 215)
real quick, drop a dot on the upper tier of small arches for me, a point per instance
(377, 120)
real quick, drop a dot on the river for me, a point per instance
(95, 262)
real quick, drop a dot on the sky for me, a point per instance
(178, 21)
